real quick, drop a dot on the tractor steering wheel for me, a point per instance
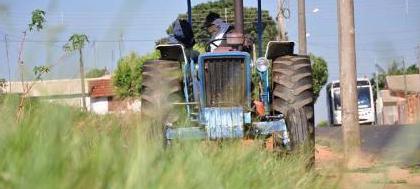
(213, 42)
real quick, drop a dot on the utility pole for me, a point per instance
(405, 77)
(8, 62)
(120, 44)
(82, 80)
(281, 21)
(62, 17)
(94, 54)
(377, 79)
(302, 27)
(348, 87)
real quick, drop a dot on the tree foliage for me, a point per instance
(200, 11)
(38, 20)
(319, 74)
(127, 79)
(76, 42)
(39, 71)
(94, 73)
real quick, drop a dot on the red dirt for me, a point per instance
(374, 174)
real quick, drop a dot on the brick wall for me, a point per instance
(410, 111)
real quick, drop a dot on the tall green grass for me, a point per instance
(60, 147)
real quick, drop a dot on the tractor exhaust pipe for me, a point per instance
(236, 39)
(239, 17)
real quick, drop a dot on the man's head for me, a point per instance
(209, 23)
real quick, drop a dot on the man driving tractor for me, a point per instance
(217, 28)
(211, 97)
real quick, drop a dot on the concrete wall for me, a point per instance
(99, 105)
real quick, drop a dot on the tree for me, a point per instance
(413, 69)
(128, 77)
(37, 23)
(200, 12)
(319, 74)
(94, 73)
(76, 42)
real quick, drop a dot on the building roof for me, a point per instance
(396, 83)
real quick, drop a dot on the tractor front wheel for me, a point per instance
(293, 97)
(161, 88)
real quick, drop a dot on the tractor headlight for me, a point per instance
(262, 64)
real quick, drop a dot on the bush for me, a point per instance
(94, 73)
(128, 77)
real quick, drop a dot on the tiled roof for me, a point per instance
(101, 88)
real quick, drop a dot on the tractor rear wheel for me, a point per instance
(161, 88)
(293, 97)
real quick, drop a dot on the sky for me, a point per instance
(386, 30)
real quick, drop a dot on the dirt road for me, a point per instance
(391, 143)
(392, 157)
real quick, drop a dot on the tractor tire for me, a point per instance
(161, 87)
(293, 97)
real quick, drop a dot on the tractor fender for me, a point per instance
(278, 48)
(174, 52)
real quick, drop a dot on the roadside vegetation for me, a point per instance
(322, 124)
(60, 147)
(394, 68)
(319, 74)
(95, 73)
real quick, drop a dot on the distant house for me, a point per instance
(101, 94)
(103, 99)
(399, 103)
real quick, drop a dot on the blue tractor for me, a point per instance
(214, 91)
